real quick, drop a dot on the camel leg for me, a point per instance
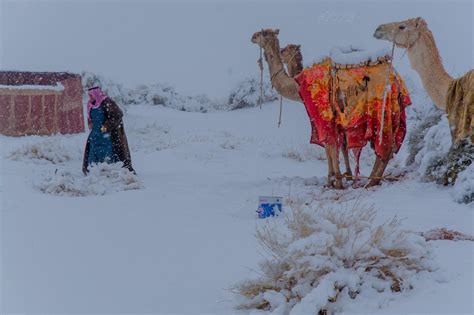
(377, 172)
(345, 153)
(336, 179)
(330, 168)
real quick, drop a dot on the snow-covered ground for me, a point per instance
(178, 236)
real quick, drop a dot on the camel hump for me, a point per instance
(460, 107)
(352, 55)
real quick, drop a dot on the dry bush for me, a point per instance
(48, 151)
(445, 234)
(323, 256)
(102, 179)
(304, 152)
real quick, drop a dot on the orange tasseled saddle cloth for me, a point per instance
(344, 103)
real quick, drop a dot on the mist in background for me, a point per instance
(204, 46)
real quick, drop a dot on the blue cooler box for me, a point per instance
(268, 205)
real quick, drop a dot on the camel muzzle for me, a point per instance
(378, 33)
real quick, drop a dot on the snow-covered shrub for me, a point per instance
(294, 155)
(445, 170)
(304, 152)
(463, 190)
(247, 94)
(430, 148)
(151, 137)
(47, 151)
(230, 143)
(115, 90)
(419, 127)
(156, 94)
(428, 136)
(435, 146)
(323, 258)
(102, 179)
(153, 94)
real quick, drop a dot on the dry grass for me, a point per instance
(47, 151)
(102, 179)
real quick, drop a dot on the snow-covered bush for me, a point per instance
(247, 94)
(102, 179)
(293, 154)
(323, 258)
(418, 130)
(156, 94)
(304, 152)
(47, 151)
(430, 148)
(435, 145)
(463, 190)
(445, 170)
(230, 143)
(150, 137)
(115, 90)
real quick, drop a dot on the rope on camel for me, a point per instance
(384, 177)
(260, 100)
(260, 66)
(385, 92)
(281, 110)
(281, 97)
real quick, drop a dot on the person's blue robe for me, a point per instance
(100, 143)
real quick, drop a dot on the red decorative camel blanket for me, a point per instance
(345, 104)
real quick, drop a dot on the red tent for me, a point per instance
(40, 103)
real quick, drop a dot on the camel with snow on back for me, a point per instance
(349, 105)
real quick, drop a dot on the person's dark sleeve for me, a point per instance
(113, 115)
(86, 157)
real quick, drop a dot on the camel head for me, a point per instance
(290, 52)
(262, 37)
(403, 34)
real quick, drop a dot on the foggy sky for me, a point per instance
(204, 46)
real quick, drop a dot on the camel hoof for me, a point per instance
(372, 183)
(335, 182)
(338, 182)
(348, 175)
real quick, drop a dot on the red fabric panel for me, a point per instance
(49, 113)
(36, 114)
(77, 120)
(5, 107)
(322, 131)
(21, 114)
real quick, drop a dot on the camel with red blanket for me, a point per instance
(293, 59)
(345, 103)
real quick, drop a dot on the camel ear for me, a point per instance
(298, 46)
(277, 31)
(419, 21)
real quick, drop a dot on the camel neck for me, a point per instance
(425, 59)
(295, 64)
(273, 58)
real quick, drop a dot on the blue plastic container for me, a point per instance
(269, 206)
